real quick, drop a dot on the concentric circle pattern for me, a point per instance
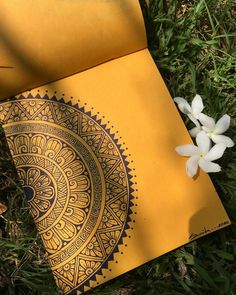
(76, 181)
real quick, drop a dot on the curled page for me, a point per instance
(42, 41)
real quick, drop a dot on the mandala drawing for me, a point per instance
(77, 183)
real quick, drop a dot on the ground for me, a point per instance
(194, 46)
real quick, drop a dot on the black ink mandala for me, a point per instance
(76, 180)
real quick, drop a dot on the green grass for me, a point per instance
(194, 46)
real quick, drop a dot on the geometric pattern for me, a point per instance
(77, 183)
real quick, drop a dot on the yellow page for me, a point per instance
(95, 153)
(45, 40)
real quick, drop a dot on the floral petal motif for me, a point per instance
(107, 147)
(93, 248)
(216, 152)
(119, 175)
(207, 122)
(89, 125)
(222, 124)
(108, 220)
(203, 142)
(109, 239)
(119, 207)
(87, 268)
(222, 139)
(209, 166)
(68, 270)
(197, 105)
(31, 106)
(192, 166)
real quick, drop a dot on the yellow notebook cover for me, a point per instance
(95, 153)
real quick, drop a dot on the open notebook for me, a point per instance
(95, 151)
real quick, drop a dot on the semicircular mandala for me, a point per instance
(76, 181)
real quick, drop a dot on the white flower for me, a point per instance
(201, 155)
(215, 130)
(194, 131)
(192, 111)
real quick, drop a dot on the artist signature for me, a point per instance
(205, 231)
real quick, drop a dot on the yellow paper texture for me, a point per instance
(169, 209)
(45, 40)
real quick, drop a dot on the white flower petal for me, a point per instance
(187, 150)
(209, 166)
(222, 139)
(197, 105)
(222, 124)
(194, 131)
(192, 166)
(207, 122)
(216, 152)
(203, 142)
(185, 108)
(179, 100)
(206, 129)
(194, 120)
